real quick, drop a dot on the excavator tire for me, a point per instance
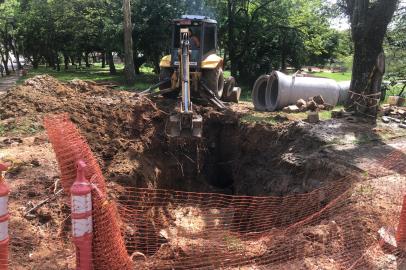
(214, 79)
(164, 74)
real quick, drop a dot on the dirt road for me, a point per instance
(8, 81)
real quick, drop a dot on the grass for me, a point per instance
(94, 73)
(339, 76)
(25, 126)
(258, 117)
(98, 74)
(2, 130)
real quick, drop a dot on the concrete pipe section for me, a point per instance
(259, 92)
(276, 91)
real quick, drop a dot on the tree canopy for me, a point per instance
(255, 36)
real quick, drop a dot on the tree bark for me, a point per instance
(369, 23)
(129, 70)
(111, 63)
(87, 60)
(103, 59)
(11, 64)
(231, 38)
(57, 60)
(16, 55)
(35, 61)
(4, 59)
(66, 61)
(80, 59)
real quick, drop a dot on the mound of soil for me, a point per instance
(127, 133)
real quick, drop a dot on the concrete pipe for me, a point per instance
(259, 92)
(344, 88)
(283, 90)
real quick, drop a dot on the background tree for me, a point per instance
(369, 23)
(395, 46)
(255, 36)
(129, 71)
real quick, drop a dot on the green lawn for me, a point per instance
(147, 78)
(339, 76)
(98, 74)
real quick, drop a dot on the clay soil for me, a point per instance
(127, 134)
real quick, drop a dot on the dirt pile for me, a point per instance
(127, 133)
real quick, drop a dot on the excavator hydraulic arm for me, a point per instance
(185, 122)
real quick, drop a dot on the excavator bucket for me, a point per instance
(185, 125)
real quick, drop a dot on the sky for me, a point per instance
(340, 24)
(343, 23)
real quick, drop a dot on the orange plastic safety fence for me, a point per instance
(323, 229)
(69, 147)
(333, 227)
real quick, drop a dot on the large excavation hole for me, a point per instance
(262, 165)
(234, 158)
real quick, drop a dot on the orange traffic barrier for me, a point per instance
(81, 194)
(401, 231)
(4, 217)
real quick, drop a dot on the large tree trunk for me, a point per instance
(231, 39)
(111, 63)
(369, 23)
(129, 70)
(16, 55)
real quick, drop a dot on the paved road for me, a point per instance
(7, 82)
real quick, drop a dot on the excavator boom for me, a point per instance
(186, 122)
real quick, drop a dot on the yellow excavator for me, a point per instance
(195, 70)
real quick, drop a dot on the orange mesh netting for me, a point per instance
(334, 227)
(69, 147)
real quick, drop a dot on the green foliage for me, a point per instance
(395, 47)
(24, 126)
(254, 36)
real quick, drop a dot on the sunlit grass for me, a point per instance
(98, 74)
(94, 73)
(337, 76)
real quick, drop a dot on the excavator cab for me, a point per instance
(204, 64)
(203, 35)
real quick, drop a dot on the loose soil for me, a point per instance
(127, 134)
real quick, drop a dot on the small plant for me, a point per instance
(259, 118)
(233, 243)
(25, 127)
(365, 189)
